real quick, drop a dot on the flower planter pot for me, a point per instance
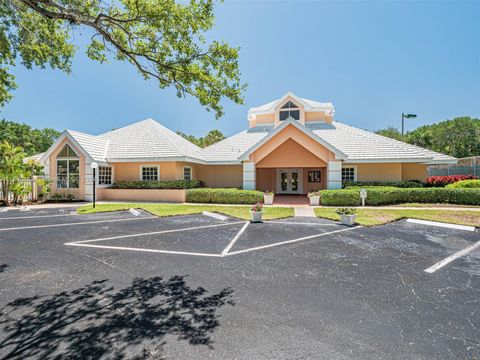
(256, 216)
(348, 219)
(268, 199)
(314, 200)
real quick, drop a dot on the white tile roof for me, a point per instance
(148, 139)
(93, 145)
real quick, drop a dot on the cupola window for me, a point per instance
(289, 110)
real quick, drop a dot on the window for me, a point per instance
(149, 173)
(348, 174)
(104, 175)
(68, 175)
(289, 110)
(187, 173)
(68, 168)
(314, 176)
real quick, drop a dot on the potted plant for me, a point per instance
(314, 197)
(257, 212)
(268, 197)
(347, 215)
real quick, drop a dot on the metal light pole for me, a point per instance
(406, 116)
(94, 166)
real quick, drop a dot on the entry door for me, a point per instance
(289, 181)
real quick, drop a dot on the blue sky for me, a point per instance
(373, 60)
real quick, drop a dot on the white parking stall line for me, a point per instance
(299, 223)
(234, 240)
(24, 208)
(76, 223)
(440, 224)
(3, 209)
(290, 241)
(214, 215)
(134, 212)
(143, 249)
(152, 233)
(452, 257)
(36, 216)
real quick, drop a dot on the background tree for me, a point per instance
(162, 39)
(33, 141)
(391, 132)
(459, 137)
(212, 137)
(13, 173)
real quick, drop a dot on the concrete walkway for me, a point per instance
(304, 211)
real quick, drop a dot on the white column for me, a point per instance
(249, 176)
(334, 175)
(88, 182)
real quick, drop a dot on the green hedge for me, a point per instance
(168, 184)
(224, 196)
(465, 184)
(391, 196)
(398, 184)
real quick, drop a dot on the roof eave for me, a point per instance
(63, 135)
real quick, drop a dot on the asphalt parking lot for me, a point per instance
(121, 286)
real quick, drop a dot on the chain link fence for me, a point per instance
(464, 166)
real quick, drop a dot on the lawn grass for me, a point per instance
(420, 205)
(241, 212)
(371, 217)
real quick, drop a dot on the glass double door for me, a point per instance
(289, 181)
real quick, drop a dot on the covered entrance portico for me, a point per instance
(291, 161)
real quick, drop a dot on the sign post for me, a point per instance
(363, 195)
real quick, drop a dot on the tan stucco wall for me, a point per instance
(266, 179)
(311, 116)
(130, 171)
(221, 175)
(141, 195)
(78, 193)
(292, 133)
(414, 172)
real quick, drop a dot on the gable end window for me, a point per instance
(289, 110)
(105, 175)
(349, 174)
(68, 168)
(187, 173)
(149, 173)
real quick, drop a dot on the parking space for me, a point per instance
(243, 289)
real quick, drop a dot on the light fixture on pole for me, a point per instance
(406, 116)
(94, 166)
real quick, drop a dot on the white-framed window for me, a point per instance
(349, 174)
(68, 168)
(149, 173)
(105, 175)
(187, 173)
(289, 110)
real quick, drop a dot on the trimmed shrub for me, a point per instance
(340, 197)
(398, 184)
(465, 184)
(167, 184)
(224, 196)
(442, 181)
(391, 196)
(62, 196)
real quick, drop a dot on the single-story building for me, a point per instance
(292, 146)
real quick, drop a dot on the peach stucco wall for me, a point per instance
(141, 195)
(311, 116)
(221, 175)
(292, 133)
(78, 193)
(267, 179)
(290, 154)
(414, 172)
(308, 186)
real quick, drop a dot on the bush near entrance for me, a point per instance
(400, 184)
(392, 196)
(168, 184)
(224, 196)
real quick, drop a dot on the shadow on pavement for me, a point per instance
(96, 321)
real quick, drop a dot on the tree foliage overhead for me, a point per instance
(162, 39)
(212, 137)
(32, 141)
(459, 137)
